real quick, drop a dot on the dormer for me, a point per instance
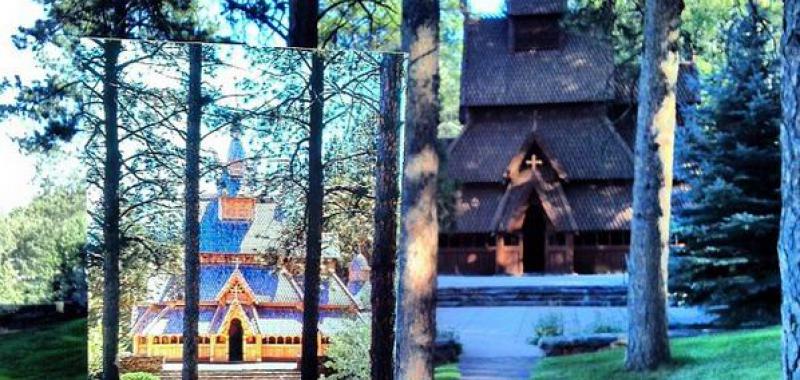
(535, 24)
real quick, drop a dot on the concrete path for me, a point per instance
(506, 368)
(495, 339)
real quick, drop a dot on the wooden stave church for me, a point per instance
(250, 310)
(534, 95)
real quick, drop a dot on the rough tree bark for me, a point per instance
(303, 33)
(648, 345)
(789, 242)
(191, 232)
(111, 214)
(303, 16)
(311, 279)
(384, 246)
(416, 293)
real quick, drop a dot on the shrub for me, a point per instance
(348, 353)
(139, 376)
(606, 329)
(550, 325)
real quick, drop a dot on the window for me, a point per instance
(220, 339)
(511, 239)
(280, 340)
(174, 340)
(271, 340)
(296, 340)
(156, 340)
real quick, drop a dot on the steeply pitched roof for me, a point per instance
(485, 148)
(688, 86)
(221, 236)
(578, 140)
(601, 206)
(582, 142)
(580, 71)
(475, 208)
(536, 7)
(333, 292)
(267, 282)
(239, 236)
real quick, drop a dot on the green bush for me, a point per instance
(550, 325)
(606, 329)
(139, 376)
(348, 353)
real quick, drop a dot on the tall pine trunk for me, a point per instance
(416, 294)
(648, 345)
(191, 232)
(303, 33)
(111, 213)
(384, 246)
(789, 243)
(310, 365)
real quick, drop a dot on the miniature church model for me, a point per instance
(545, 162)
(249, 310)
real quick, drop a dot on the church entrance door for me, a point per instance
(235, 341)
(533, 231)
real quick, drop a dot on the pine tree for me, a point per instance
(730, 225)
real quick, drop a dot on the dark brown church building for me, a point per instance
(544, 174)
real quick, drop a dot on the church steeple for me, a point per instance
(234, 167)
(534, 24)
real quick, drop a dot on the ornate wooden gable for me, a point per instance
(236, 290)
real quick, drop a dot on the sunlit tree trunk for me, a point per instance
(416, 293)
(789, 243)
(384, 247)
(111, 214)
(648, 345)
(191, 242)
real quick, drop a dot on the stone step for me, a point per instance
(533, 296)
(238, 375)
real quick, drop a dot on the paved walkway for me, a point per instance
(495, 339)
(505, 368)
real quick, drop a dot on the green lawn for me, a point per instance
(50, 352)
(447, 372)
(747, 355)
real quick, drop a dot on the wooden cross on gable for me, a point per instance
(534, 161)
(236, 289)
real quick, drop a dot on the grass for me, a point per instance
(447, 372)
(751, 355)
(49, 352)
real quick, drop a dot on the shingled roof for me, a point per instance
(688, 86)
(579, 141)
(581, 70)
(475, 208)
(267, 321)
(536, 7)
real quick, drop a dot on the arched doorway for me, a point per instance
(235, 341)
